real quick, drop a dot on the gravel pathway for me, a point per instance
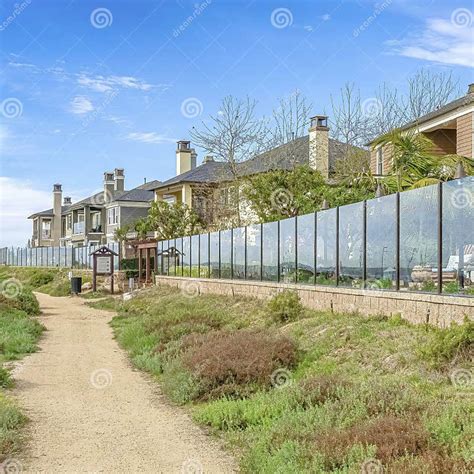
(90, 411)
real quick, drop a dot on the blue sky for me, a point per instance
(90, 85)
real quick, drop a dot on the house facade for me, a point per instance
(450, 128)
(207, 188)
(94, 219)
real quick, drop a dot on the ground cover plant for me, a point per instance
(296, 390)
(19, 334)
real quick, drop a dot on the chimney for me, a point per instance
(319, 145)
(119, 177)
(470, 89)
(208, 159)
(56, 226)
(109, 186)
(67, 201)
(185, 157)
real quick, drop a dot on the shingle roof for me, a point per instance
(455, 104)
(284, 156)
(140, 195)
(48, 212)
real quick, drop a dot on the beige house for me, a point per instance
(206, 188)
(450, 128)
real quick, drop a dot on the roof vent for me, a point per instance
(208, 159)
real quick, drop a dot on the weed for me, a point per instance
(285, 306)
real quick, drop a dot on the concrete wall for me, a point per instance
(414, 307)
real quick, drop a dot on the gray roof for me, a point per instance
(285, 157)
(141, 193)
(455, 104)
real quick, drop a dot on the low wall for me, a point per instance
(438, 310)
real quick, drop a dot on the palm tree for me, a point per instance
(142, 227)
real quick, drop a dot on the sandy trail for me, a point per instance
(91, 411)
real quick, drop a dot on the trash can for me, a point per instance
(76, 285)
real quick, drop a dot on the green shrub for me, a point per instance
(40, 277)
(457, 341)
(285, 306)
(6, 380)
(11, 420)
(24, 301)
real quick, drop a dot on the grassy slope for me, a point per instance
(52, 281)
(363, 388)
(19, 333)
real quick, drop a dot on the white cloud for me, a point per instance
(150, 137)
(81, 105)
(18, 200)
(442, 41)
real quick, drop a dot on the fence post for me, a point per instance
(199, 255)
(296, 249)
(219, 255)
(278, 251)
(232, 253)
(245, 252)
(397, 243)
(440, 238)
(261, 251)
(364, 246)
(337, 246)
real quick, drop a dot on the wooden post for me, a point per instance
(112, 275)
(94, 273)
(147, 266)
(139, 265)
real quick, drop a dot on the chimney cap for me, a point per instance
(57, 188)
(119, 172)
(208, 159)
(470, 88)
(108, 176)
(184, 145)
(67, 201)
(319, 122)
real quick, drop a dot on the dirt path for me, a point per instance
(91, 412)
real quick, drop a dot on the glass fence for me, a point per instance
(67, 257)
(419, 240)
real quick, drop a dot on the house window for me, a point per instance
(69, 222)
(112, 216)
(46, 230)
(379, 157)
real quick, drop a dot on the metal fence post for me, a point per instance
(364, 246)
(199, 256)
(315, 247)
(209, 254)
(245, 252)
(337, 246)
(397, 242)
(278, 252)
(296, 249)
(232, 253)
(261, 251)
(440, 238)
(219, 255)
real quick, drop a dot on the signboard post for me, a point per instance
(103, 264)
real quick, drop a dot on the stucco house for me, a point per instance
(91, 220)
(450, 128)
(206, 187)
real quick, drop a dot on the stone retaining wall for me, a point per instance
(418, 308)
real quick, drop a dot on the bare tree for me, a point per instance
(232, 136)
